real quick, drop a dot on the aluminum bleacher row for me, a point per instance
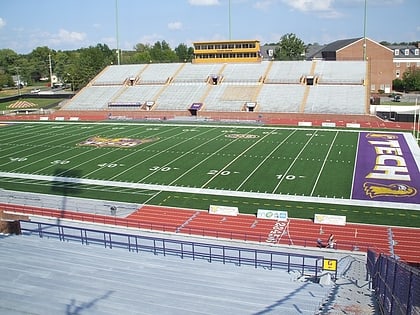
(274, 86)
(72, 272)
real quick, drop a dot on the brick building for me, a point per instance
(380, 59)
(405, 57)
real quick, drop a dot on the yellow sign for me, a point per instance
(330, 264)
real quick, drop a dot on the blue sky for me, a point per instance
(67, 25)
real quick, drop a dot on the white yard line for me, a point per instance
(354, 166)
(159, 153)
(35, 151)
(136, 152)
(202, 161)
(323, 164)
(265, 159)
(232, 161)
(294, 161)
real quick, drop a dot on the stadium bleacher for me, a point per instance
(336, 87)
(47, 276)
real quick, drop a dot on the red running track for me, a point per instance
(249, 228)
(300, 232)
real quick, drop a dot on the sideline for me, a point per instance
(218, 192)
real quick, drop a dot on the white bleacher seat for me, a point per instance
(159, 73)
(117, 74)
(244, 72)
(281, 97)
(138, 93)
(336, 99)
(339, 72)
(180, 96)
(93, 98)
(288, 71)
(197, 72)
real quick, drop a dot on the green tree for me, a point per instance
(290, 48)
(88, 62)
(411, 79)
(162, 52)
(184, 53)
(398, 85)
(38, 63)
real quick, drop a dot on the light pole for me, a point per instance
(364, 31)
(116, 31)
(230, 22)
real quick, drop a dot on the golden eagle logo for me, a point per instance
(385, 136)
(392, 190)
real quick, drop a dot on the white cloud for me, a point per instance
(322, 8)
(263, 4)
(175, 25)
(67, 36)
(64, 36)
(204, 2)
(310, 5)
(2, 23)
(150, 39)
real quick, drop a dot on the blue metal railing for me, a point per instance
(307, 264)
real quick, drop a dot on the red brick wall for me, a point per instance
(380, 62)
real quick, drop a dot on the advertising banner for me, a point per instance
(272, 214)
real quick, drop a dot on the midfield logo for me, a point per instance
(115, 142)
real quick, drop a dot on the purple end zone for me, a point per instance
(385, 169)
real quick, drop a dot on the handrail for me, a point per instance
(306, 264)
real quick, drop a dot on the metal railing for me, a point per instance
(396, 284)
(306, 264)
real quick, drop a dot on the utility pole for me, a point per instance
(18, 80)
(51, 74)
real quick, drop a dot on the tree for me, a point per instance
(290, 48)
(90, 61)
(161, 52)
(184, 53)
(411, 79)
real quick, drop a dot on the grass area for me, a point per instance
(239, 162)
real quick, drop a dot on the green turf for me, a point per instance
(247, 159)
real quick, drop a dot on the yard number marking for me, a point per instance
(217, 172)
(289, 177)
(110, 165)
(162, 168)
(60, 162)
(17, 159)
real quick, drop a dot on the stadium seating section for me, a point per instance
(312, 87)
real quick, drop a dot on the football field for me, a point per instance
(143, 162)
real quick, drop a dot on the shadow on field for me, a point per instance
(66, 183)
